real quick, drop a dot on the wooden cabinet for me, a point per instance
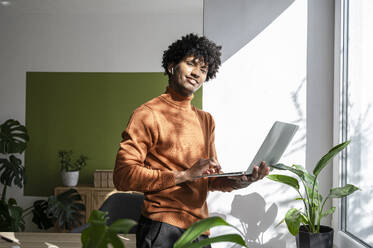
(92, 197)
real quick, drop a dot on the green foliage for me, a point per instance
(66, 209)
(99, 235)
(291, 181)
(313, 201)
(293, 219)
(11, 218)
(41, 216)
(67, 164)
(325, 159)
(12, 171)
(195, 230)
(13, 137)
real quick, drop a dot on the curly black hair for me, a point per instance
(197, 46)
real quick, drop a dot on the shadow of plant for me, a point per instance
(255, 221)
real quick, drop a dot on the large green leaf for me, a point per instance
(293, 218)
(99, 235)
(325, 159)
(233, 238)
(330, 211)
(342, 191)
(13, 137)
(40, 215)
(291, 181)
(196, 229)
(122, 225)
(5, 218)
(307, 177)
(17, 223)
(66, 209)
(11, 219)
(300, 171)
(12, 171)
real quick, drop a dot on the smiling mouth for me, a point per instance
(192, 81)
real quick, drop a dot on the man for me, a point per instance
(168, 142)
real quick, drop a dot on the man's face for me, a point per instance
(188, 75)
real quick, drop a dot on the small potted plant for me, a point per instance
(311, 233)
(69, 169)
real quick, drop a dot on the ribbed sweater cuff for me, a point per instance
(167, 179)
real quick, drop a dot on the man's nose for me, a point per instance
(195, 72)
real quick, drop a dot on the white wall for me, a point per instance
(266, 44)
(84, 36)
(320, 81)
(265, 68)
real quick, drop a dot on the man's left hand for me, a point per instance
(259, 173)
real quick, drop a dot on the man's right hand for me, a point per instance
(200, 168)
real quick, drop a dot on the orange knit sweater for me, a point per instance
(163, 135)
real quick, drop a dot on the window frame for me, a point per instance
(342, 238)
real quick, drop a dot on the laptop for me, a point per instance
(274, 145)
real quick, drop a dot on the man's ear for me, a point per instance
(171, 69)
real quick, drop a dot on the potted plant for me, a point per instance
(61, 209)
(13, 139)
(311, 233)
(98, 234)
(69, 169)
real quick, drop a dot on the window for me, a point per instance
(354, 120)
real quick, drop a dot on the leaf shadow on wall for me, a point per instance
(255, 220)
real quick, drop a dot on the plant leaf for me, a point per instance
(304, 219)
(308, 178)
(341, 192)
(299, 173)
(293, 219)
(122, 225)
(66, 208)
(291, 181)
(234, 238)
(12, 171)
(325, 159)
(98, 235)
(40, 215)
(13, 137)
(330, 211)
(196, 229)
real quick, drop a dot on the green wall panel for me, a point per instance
(83, 112)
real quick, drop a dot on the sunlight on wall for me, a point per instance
(360, 120)
(263, 82)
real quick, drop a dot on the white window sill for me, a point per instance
(342, 240)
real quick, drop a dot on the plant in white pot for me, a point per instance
(311, 233)
(69, 168)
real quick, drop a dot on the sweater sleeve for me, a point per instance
(138, 138)
(217, 183)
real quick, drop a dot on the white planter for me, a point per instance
(70, 178)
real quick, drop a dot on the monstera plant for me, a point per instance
(64, 209)
(13, 140)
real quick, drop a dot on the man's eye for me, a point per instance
(189, 63)
(204, 71)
